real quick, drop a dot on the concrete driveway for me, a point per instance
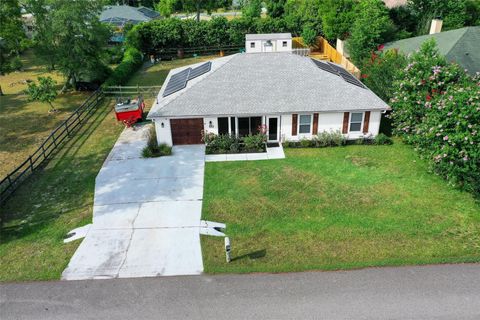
(146, 214)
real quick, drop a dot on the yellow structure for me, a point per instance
(322, 50)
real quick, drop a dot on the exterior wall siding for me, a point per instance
(164, 135)
(327, 121)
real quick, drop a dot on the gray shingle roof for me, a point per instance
(264, 83)
(461, 46)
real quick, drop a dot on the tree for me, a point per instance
(275, 8)
(337, 18)
(371, 28)
(453, 13)
(381, 71)
(252, 9)
(199, 5)
(309, 36)
(44, 91)
(165, 7)
(12, 35)
(70, 36)
(299, 13)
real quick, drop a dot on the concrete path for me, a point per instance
(146, 214)
(429, 292)
(272, 153)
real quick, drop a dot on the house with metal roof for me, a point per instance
(122, 14)
(461, 46)
(293, 96)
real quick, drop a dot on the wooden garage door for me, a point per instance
(186, 131)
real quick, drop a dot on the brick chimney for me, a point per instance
(436, 26)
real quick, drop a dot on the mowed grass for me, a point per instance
(337, 208)
(53, 202)
(23, 124)
(59, 198)
(156, 74)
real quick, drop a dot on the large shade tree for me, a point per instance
(372, 27)
(69, 35)
(337, 17)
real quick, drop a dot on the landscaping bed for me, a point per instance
(337, 208)
(231, 144)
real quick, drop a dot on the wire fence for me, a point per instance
(54, 141)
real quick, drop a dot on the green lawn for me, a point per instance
(23, 124)
(337, 208)
(60, 198)
(53, 202)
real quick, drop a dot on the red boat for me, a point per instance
(130, 111)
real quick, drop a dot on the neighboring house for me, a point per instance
(268, 42)
(461, 46)
(121, 15)
(295, 97)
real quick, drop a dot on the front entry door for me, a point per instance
(273, 129)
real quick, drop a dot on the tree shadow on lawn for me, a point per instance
(252, 255)
(66, 184)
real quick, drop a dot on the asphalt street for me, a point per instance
(426, 292)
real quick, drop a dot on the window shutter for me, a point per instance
(346, 117)
(294, 124)
(366, 121)
(315, 123)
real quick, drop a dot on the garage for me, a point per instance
(186, 131)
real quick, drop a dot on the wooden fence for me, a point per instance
(54, 141)
(132, 91)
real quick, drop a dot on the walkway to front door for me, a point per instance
(146, 214)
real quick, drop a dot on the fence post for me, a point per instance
(31, 163)
(66, 128)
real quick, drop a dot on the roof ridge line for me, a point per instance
(458, 40)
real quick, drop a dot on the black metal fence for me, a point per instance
(64, 131)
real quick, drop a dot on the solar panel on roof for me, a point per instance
(177, 82)
(347, 76)
(198, 71)
(324, 66)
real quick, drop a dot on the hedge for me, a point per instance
(172, 33)
(132, 60)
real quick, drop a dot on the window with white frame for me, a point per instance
(252, 44)
(356, 119)
(284, 43)
(304, 123)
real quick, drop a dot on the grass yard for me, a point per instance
(53, 202)
(60, 198)
(337, 208)
(24, 125)
(156, 74)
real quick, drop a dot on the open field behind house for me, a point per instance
(60, 198)
(337, 208)
(24, 125)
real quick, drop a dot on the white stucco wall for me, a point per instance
(206, 125)
(328, 121)
(164, 135)
(260, 46)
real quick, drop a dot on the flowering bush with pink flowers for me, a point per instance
(436, 107)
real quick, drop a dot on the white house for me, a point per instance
(268, 42)
(295, 97)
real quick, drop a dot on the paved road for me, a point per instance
(430, 292)
(146, 217)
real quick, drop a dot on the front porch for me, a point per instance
(248, 125)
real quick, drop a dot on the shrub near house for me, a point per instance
(436, 107)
